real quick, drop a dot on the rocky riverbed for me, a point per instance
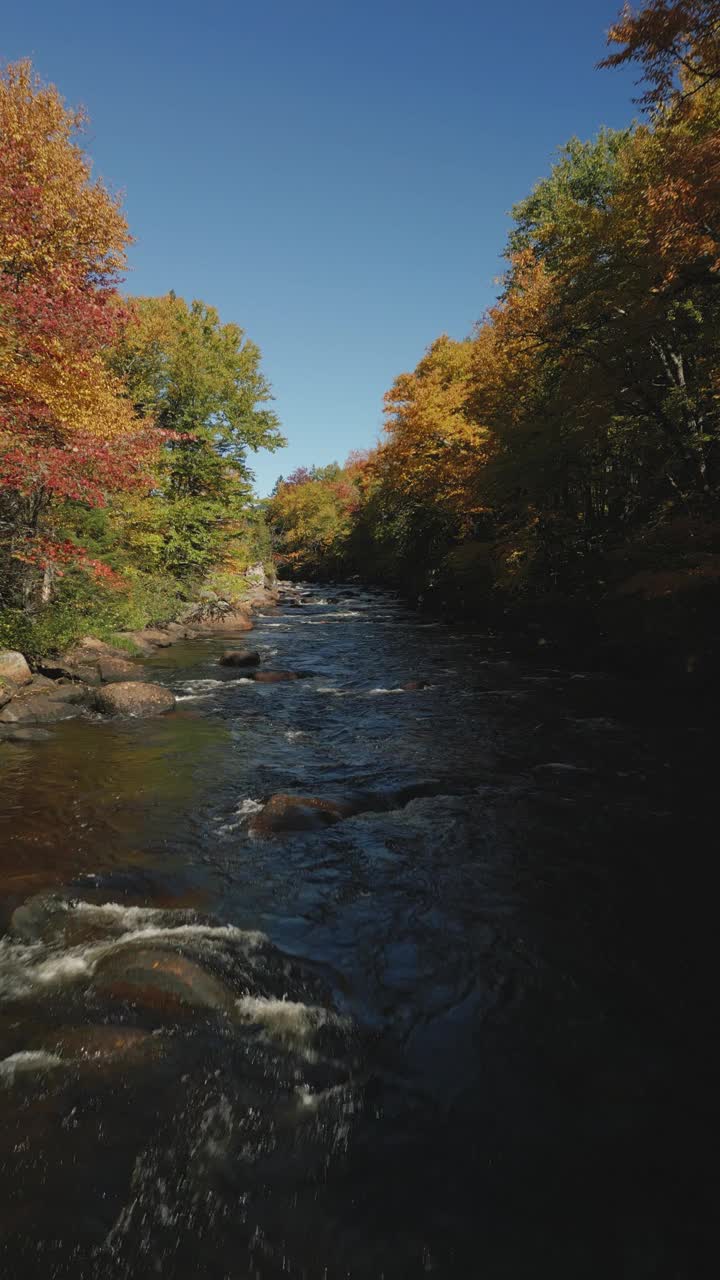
(395, 962)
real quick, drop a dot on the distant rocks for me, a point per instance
(130, 698)
(92, 662)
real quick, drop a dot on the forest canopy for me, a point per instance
(569, 445)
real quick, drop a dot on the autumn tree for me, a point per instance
(676, 43)
(67, 431)
(312, 515)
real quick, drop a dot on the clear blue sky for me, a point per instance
(333, 175)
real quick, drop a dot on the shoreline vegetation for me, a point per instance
(554, 475)
(125, 423)
(111, 678)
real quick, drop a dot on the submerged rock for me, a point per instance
(42, 708)
(14, 668)
(23, 735)
(157, 638)
(275, 677)
(160, 979)
(413, 686)
(299, 813)
(240, 658)
(103, 1043)
(131, 698)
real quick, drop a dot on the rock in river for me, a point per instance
(131, 698)
(160, 979)
(240, 658)
(299, 813)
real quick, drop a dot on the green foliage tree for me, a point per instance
(201, 381)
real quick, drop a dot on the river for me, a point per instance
(463, 1033)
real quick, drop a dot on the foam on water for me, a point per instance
(28, 968)
(287, 1022)
(27, 1062)
(245, 809)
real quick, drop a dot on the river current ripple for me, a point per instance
(461, 1034)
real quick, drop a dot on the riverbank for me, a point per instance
(38, 691)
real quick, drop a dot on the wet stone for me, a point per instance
(136, 699)
(299, 813)
(41, 709)
(160, 979)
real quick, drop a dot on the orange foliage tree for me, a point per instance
(67, 429)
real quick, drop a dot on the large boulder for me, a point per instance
(155, 978)
(240, 658)
(299, 813)
(13, 667)
(131, 698)
(237, 619)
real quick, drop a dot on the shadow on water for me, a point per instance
(462, 1032)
